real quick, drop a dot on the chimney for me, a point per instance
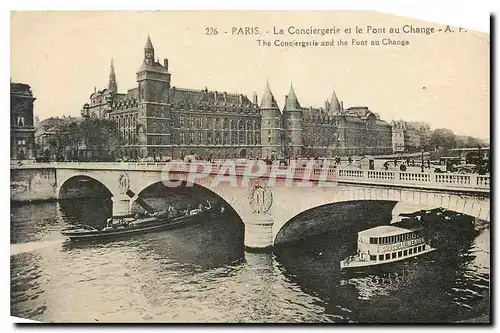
(241, 98)
(341, 105)
(255, 101)
(225, 97)
(165, 64)
(215, 96)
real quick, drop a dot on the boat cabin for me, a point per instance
(389, 242)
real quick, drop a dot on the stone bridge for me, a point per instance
(266, 199)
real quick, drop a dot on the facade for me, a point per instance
(22, 129)
(158, 120)
(333, 130)
(409, 136)
(54, 140)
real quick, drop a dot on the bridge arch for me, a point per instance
(140, 184)
(340, 216)
(81, 185)
(472, 206)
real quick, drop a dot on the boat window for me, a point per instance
(393, 255)
(387, 256)
(410, 251)
(373, 258)
(419, 248)
(400, 254)
(381, 257)
(373, 240)
(405, 252)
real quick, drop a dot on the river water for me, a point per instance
(202, 274)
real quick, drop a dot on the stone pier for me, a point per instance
(259, 233)
(121, 205)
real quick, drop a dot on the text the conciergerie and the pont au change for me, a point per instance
(356, 36)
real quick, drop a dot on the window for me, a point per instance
(393, 255)
(405, 252)
(410, 251)
(387, 256)
(20, 121)
(373, 240)
(400, 254)
(373, 258)
(381, 257)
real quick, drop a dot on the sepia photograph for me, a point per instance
(248, 167)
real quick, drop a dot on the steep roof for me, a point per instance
(334, 104)
(155, 67)
(191, 96)
(268, 101)
(291, 102)
(148, 45)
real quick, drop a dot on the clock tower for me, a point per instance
(153, 119)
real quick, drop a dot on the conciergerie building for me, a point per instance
(157, 119)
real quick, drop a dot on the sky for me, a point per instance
(442, 79)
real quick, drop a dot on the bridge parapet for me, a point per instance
(444, 181)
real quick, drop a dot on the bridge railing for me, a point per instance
(470, 182)
(430, 180)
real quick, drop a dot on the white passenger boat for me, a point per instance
(385, 245)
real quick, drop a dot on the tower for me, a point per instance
(153, 118)
(292, 125)
(271, 129)
(112, 86)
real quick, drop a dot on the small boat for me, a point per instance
(384, 245)
(156, 221)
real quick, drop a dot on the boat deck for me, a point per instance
(357, 262)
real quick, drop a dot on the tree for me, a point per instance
(100, 136)
(442, 138)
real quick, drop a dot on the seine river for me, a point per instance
(202, 274)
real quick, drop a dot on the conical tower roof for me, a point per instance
(268, 101)
(292, 103)
(148, 45)
(334, 104)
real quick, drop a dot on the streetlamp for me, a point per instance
(422, 162)
(480, 160)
